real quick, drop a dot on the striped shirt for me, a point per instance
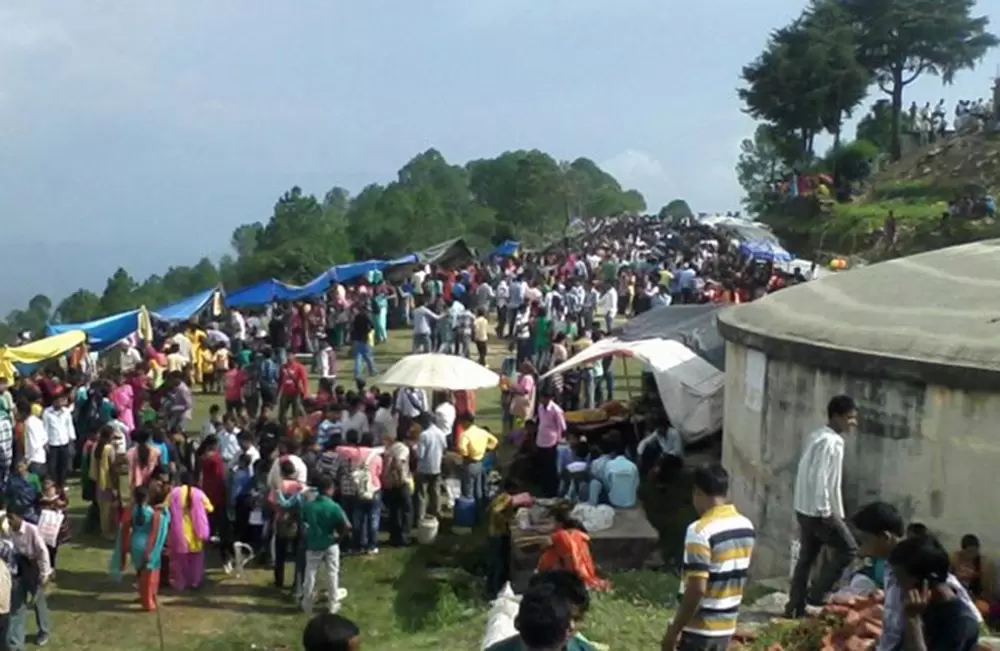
(718, 547)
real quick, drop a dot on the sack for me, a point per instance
(361, 480)
(49, 524)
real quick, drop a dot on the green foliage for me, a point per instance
(524, 195)
(760, 164)
(876, 125)
(852, 162)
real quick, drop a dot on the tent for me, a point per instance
(768, 250)
(691, 389)
(505, 250)
(260, 294)
(36, 352)
(692, 325)
(189, 307)
(106, 332)
(450, 253)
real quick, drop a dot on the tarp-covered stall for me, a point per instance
(692, 325)
(106, 332)
(260, 294)
(690, 388)
(36, 352)
(191, 306)
(450, 254)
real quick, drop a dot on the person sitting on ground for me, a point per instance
(331, 632)
(569, 549)
(616, 480)
(977, 574)
(934, 615)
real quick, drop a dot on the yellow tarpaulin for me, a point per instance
(39, 351)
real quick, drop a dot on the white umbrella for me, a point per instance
(440, 372)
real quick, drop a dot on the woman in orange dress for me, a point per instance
(569, 549)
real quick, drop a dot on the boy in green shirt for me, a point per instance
(325, 525)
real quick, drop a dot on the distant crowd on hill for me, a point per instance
(969, 115)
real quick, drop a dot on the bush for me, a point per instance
(853, 161)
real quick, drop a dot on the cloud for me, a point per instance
(642, 171)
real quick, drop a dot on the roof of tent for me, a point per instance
(186, 308)
(262, 293)
(692, 325)
(106, 332)
(450, 253)
(36, 352)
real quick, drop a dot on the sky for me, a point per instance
(140, 134)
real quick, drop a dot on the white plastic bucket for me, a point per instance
(427, 531)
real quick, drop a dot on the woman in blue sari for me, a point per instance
(142, 536)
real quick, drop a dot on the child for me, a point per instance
(54, 499)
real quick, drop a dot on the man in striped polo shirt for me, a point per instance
(717, 551)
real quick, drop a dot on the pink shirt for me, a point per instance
(357, 455)
(551, 425)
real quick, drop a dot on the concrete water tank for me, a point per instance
(916, 341)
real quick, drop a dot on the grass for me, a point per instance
(399, 603)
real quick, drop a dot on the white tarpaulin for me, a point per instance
(690, 388)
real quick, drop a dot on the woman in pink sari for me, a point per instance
(189, 530)
(123, 398)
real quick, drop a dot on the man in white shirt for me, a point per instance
(607, 306)
(229, 442)
(60, 434)
(819, 508)
(384, 423)
(288, 450)
(36, 440)
(444, 415)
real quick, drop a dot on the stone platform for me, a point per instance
(630, 544)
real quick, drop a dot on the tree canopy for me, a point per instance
(525, 195)
(817, 70)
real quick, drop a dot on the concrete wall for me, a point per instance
(931, 451)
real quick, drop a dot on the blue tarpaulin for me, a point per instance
(345, 273)
(264, 292)
(185, 309)
(764, 249)
(314, 287)
(103, 333)
(506, 249)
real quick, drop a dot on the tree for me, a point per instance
(80, 306)
(118, 293)
(899, 40)
(806, 80)
(678, 208)
(759, 166)
(876, 125)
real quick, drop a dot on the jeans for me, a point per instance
(329, 558)
(363, 354)
(421, 344)
(547, 470)
(511, 318)
(609, 321)
(428, 496)
(462, 346)
(606, 381)
(814, 533)
(19, 607)
(365, 518)
(474, 482)
(399, 502)
(282, 546)
(524, 350)
(588, 389)
(501, 320)
(60, 459)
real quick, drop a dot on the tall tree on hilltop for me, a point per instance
(118, 293)
(80, 306)
(760, 164)
(903, 39)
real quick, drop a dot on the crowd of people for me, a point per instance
(932, 122)
(285, 472)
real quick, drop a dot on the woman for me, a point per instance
(569, 549)
(100, 471)
(123, 398)
(143, 535)
(212, 479)
(23, 492)
(143, 459)
(380, 303)
(189, 529)
(522, 406)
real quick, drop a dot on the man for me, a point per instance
(7, 415)
(607, 306)
(880, 529)
(819, 508)
(294, 387)
(28, 587)
(717, 551)
(58, 421)
(551, 428)
(229, 443)
(431, 446)
(36, 441)
(545, 622)
(326, 525)
(330, 632)
(424, 322)
(362, 327)
(473, 446)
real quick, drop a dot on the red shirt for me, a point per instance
(294, 379)
(213, 479)
(232, 384)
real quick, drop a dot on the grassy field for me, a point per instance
(402, 599)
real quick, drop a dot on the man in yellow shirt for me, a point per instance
(473, 446)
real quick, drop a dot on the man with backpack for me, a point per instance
(361, 487)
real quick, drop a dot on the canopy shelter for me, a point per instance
(36, 352)
(104, 333)
(693, 325)
(504, 250)
(440, 373)
(690, 388)
(450, 254)
(260, 294)
(191, 306)
(767, 250)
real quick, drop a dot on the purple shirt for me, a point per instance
(551, 425)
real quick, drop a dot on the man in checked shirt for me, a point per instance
(28, 586)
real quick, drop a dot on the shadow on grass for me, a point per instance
(646, 588)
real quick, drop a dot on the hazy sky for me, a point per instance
(141, 133)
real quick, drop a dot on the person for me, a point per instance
(53, 499)
(27, 591)
(212, 480)
(36, 441)
(362, 329)
(717, 550)
(8, 572)
(619, 476)
(286, 503)
(544, 622)
(23, 491)
(474, 444)
(143, 458)
(142, 536)
(977, 574)
(326, 525)
(551, 429)
(568, 548)
(294, 388)
(481, 333)
(500, 515)
(105, 486)
(61, 434)
(819, 508)
(363, 483)
(331, 632)
(431, 446)
(189, 530)
(935, 619)
(880, 529)
(397, 490)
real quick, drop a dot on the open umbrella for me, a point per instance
(439, 372)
